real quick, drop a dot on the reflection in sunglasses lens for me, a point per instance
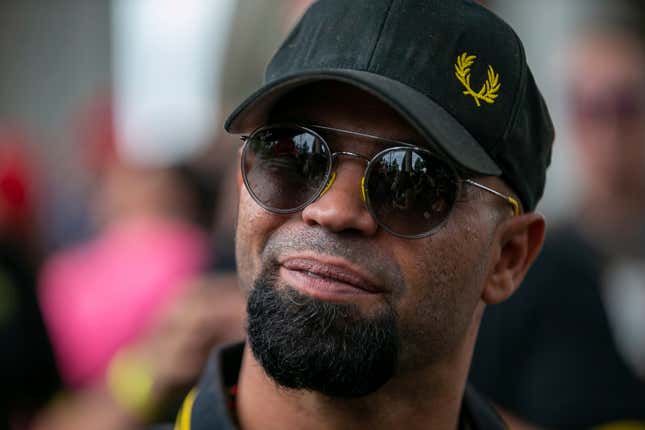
(410, 192)
(285, 167)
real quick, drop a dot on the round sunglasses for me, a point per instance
(408, 190)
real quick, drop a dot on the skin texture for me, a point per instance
(438, 285)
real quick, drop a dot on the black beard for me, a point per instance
(305, 343)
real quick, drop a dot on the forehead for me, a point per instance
(601, 62)
(344, 106)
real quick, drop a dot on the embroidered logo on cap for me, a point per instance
(490, 89)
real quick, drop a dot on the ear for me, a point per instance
(519, 241)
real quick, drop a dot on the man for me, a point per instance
(568, 351)
(391, 164)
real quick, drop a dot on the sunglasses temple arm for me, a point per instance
(509, 199)
(514, 204)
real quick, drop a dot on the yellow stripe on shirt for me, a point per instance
(183, 418)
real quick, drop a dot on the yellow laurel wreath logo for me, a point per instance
(489, 90)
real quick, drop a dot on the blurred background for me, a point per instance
(112, 153)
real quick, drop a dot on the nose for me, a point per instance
(341, 208)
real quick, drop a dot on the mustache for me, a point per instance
(353, 248)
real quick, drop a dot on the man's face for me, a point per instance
(330, 287)
(607, 87)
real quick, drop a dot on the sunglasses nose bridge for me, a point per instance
(349, 154)
(332, 177)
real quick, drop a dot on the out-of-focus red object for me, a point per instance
(17, 183)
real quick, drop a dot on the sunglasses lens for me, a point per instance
(285, 167)
(410, 192)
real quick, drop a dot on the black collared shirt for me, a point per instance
(208, 406)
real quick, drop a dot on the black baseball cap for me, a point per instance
(452, 68)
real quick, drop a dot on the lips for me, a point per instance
(334, 272)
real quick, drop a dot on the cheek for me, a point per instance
(451, 261)
(444, 280)
(437, 277)
(254, 227)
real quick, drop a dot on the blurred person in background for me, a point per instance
(567, 351)
(27, 369)
(131, 312)
(151, 234)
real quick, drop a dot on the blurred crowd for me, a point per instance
(107, 317)
(567, 351)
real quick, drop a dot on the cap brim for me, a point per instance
(431, 120)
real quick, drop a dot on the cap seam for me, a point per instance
(380, 33)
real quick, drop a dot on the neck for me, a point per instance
(427, 398)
